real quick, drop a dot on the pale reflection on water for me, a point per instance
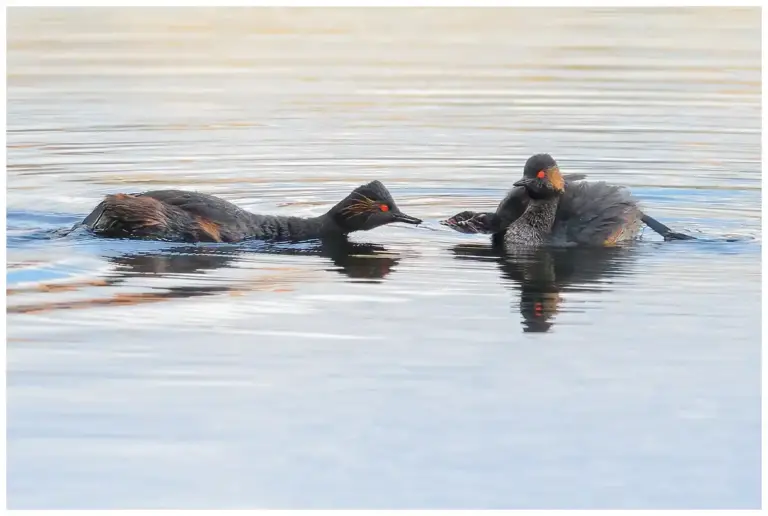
(406, 367)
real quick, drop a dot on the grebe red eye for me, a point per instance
(384, 207)
(541, 174)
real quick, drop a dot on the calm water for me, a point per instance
(411, 369)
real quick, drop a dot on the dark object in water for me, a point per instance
(579, 202)
(182, 216)
(595, 214)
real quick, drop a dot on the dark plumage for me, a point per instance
(509, 209)
(576, 219)
(181, 216)
(545, 185)
(596, 214)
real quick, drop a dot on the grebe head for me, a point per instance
(367, 207)
(542, 178)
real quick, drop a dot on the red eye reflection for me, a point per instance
(384, 207)
(541, 174)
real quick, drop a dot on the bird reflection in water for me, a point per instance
(542, 274)
(355, 260)
(359, 261)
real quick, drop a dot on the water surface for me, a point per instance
(411, 368)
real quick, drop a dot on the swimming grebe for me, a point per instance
(182, 216)
(516, 201)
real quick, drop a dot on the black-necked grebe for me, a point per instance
(580, 199)
(182, 216)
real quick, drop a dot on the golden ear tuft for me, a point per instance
(556, 179)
